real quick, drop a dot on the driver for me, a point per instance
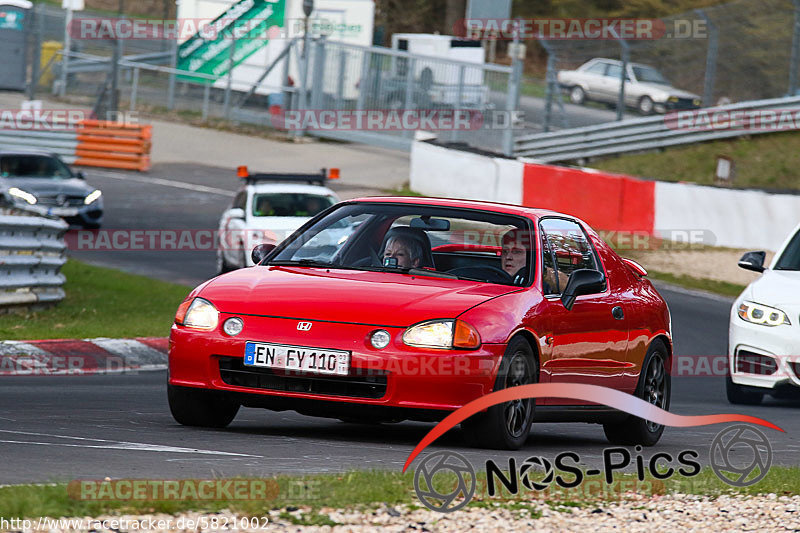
(514, 254)
(407, 252)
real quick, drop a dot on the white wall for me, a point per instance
(438, 171)
(737, 218)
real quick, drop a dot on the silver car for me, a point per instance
(645, 88)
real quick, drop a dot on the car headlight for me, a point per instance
(762, 314)
(197, 314)
(672, 99)
(442, 334)
(22, 195)
(92, 196)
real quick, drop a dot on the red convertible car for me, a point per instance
(385, 309)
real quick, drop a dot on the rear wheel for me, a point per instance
(198, 407)
(654, 387)
(742, 395)
(506, 426)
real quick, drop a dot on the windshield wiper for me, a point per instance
(303, 262)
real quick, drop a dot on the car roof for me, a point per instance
(28, 152)
(494, 207)
(618, 62)
(291, 188)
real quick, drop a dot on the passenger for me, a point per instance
(264, 208)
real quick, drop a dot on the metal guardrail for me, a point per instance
(640, 134)
(62, 143)
(32, 252)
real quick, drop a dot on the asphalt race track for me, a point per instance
(89, 427)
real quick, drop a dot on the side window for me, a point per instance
(597, 68)
(570, 248)
(240, 201)
(614, 71)
(549, 274)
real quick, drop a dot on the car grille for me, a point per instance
(68, 201)
(233, 372)
(682, 103)
(755, 363)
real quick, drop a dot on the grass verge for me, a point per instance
(358, 489)
(723, 288)
(765, 161)
(100, 302)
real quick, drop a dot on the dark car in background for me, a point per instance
(42, 179)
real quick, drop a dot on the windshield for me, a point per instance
(649, 75)
(290, 205)
(423, 240)
(790, 258)
(33, 166)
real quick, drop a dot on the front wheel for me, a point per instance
(741, 395)
(645, 106)
(198, 407)
(506, 426)
(655, 387)
(577, 95)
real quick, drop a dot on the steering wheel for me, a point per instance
(490, 273)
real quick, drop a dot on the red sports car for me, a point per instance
(385, 309)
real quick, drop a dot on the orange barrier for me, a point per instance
(113, 145)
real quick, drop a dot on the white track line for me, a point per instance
(114, 445)
(166, 183)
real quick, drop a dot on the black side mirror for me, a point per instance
(582, 281)
(260, 252)
(80, 175)
(753, 261)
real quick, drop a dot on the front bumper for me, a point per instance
(398, 376)
(761, 356)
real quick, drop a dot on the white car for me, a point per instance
(269, 208)
(764, 337)
(646, 89)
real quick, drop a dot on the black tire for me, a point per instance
(645, 105)
(201, 408)
(222, 266)
(506, 426)
(577, 95)
(740, 394)
(655, 386)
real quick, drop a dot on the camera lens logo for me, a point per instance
(740, 455)
(456, 485)
(540, 463)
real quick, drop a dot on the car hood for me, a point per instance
(47, 187)
(668, 90)
(776, 288)
(351, 296)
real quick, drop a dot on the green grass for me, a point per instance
(723, 288)
(767, 161)
(405, 190)
(100, 302)
(301, 497)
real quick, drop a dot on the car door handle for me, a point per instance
(618, 313)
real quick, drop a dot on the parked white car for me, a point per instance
(269, 208)
(764, 337)
(646, 89)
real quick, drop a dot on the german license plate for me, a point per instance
(297, 358)
(63, 211)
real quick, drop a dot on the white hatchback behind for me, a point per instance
(764, 334)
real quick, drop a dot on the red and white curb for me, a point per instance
(81, 357)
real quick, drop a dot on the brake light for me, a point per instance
(182, 309)
(465, 336)
(242, 172)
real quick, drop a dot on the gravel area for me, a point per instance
(674, 512)
(707, 263)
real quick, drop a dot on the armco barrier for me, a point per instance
(732, 218)
(32, 252)
(90, 143)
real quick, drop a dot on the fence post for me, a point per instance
(36, 27)
(171, 87)
(512, 97)
(795, 49)
(626, 53)
(365, 80)
(227, 104)
(408, 99)
(62, 88)
(206, 94)
(549, 89)
(318, 77)
(113, 99)
(711, 59)
(340, 81)
(134, 88)
(459, 98)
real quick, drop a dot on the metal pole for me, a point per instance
(340, 81)
(113, 102)
(227, 105)
(318, 76)
(512, 98)
(134, 88)
(36, 26)
(548, 106)
(62, 88)
(206, 93)
(365, 80)
(795, 49)
(305, 58)
(711, 58)
(171, 86)
(459, 98)
(626, 52)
